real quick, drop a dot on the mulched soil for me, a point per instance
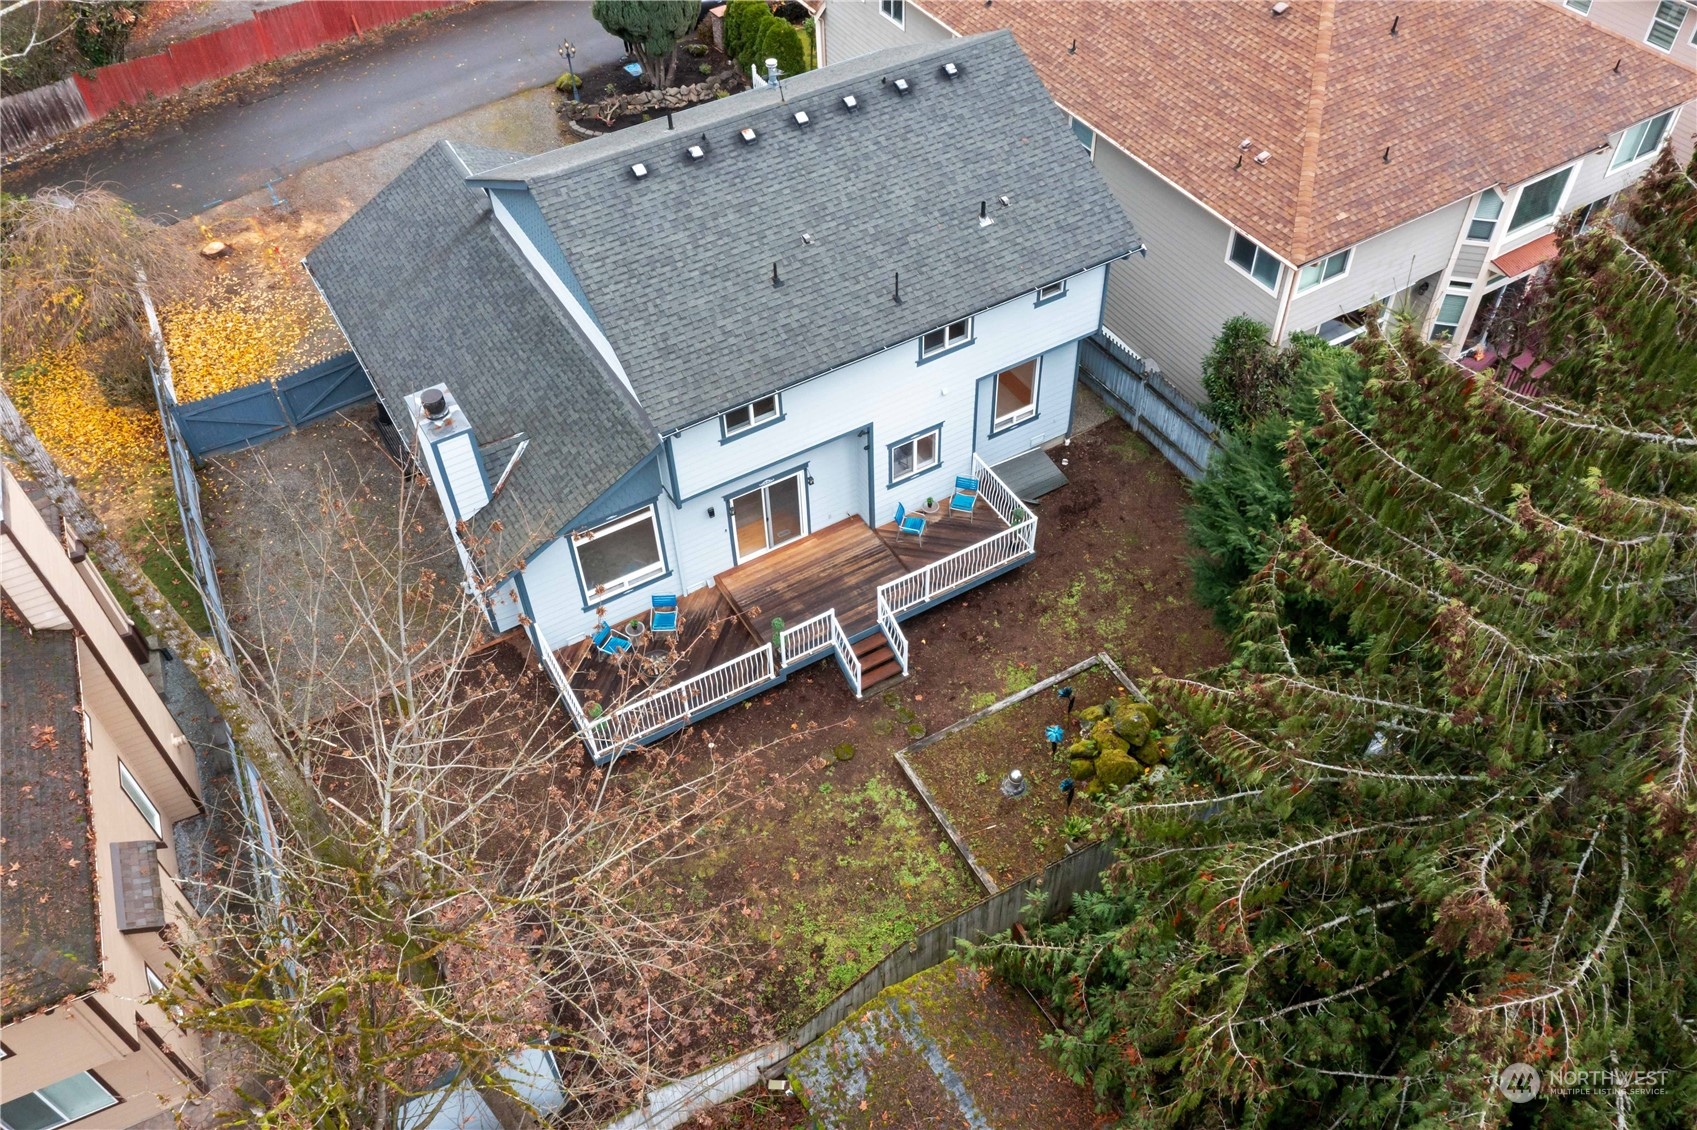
(612, 78)
(839, 874)
(1011, 838)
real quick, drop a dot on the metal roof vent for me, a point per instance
(696, 153)
(1261, 157)
(435, 405)
(748, 133)
(950, 70)
(1280, 8)
(801, 117)
(639, 170)
(849, 101)
(901, 86)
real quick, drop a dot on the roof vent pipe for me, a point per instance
(984, 219)
(1394, 21)
(435, 405)
(669, 124)
(898, 286)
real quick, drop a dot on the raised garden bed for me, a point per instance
(960, 769)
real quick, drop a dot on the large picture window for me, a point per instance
(1254, 260)
(620, 554)
(57, 1104)
(1641, 141)
(911, 456)
(1016, 395)
(1540, 199)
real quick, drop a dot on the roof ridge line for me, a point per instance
(1308, 172)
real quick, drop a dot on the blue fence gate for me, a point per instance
(255, 413)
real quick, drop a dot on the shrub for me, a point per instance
(698, 50)
(567, 81)
(1245, 374)
(742, 17)
(706, 69)
(780, 41)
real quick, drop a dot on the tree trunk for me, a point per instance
(252, 732)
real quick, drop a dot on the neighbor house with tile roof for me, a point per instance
(1300, 162)
(94, 772)
(712, 359)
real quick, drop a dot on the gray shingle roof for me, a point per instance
(677, 265)
(430, 290)
(49, 923)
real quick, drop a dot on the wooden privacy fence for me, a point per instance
(34, 116)
(1160, 413)
(1059, 884)
(255, 413)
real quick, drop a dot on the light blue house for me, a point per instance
(709, 357)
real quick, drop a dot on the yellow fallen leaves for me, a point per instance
(238, 339)
(60, 398)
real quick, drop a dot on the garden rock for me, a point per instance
(1117, 769)
(1107, 741)
(1082, 768)
(1133, 721)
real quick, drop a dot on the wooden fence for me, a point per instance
(1145, 399)
(34, 116)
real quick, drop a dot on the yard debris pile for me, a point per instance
(242, 335)
(85, 432)
(1119, 741)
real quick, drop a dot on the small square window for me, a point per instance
(1641, 140)
(1254, 260)
(1485, 216)
(1448, 318)
(949, 336)
(911, 456)
(1086, 136)
(1016, 395)
(1664, 25)
(155, 986)
(1580, 6)
(132, 789)
(752, 414)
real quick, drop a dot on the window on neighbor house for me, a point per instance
(1448, 318)
(1664, 25)
(1053, 290)
(1016, 395)
(1641, 141)
(1540, 199)
(1086, 136)
(132, 789)
(620, 554)
(1323, 270)
(1581, 6)
(57, 1104)
(750, 415)
(1485, 216)
(951, 335)
(892, 9)
(1254, 260)
(911, 456)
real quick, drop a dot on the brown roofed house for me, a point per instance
(1300, 162)
(93, 774)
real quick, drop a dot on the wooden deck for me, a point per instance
(841, 567)
(709, 633)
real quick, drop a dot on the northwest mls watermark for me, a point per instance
(1521, 1082)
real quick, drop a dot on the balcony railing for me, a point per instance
(966, 566)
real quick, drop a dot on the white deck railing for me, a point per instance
(963, 567)
(613, 732)
(892, 630)
(815, 637)
(998, 495)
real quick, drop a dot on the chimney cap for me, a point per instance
(434, 402)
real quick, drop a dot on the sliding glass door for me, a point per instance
(768, 516)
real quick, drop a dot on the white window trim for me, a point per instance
(1437, 308)
(900, 6)
(66, 1120)
(1048, 292)
(753, 420)
(1667, 131)
(999, 423)
(1473, 216)
(138, 797)
(936, 455)
(1348, 263)
(1510, 207)
(1583, 7)
(155, 983)
(629, 580)
(1231, 236)
(1655, 18)
(947, 345)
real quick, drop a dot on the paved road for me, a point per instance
(416, 78)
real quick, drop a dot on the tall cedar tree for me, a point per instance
(652, 29)
(1370, 887)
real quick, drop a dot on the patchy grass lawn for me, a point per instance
(963, 771)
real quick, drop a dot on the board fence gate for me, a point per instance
(252, 414)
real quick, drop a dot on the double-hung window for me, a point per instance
(1254, 260)
(57, 1104)
(1448, 318)
(1016, 395)
(1540, 200)
(920, 453)
(620, 554)
(750, 415)
(1323, 270)
(947, 337)
(1664, 25)
(893, 10)
(132, 789)
(1641, 141)
(1485, 215)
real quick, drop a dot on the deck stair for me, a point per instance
(878, 662)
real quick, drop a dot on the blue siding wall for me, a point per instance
(1055, 376)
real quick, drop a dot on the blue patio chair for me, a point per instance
(909, 523)
(966, 496)
(608, 642)
(663, 613)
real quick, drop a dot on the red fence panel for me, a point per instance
(218, 53)
(127, 83)
(301, 27)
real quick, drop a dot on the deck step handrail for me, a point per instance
(892, 630)
(997, 494)
(563, 685)
(808, 638)
(641, 717)
(846, 656)
(960, 568)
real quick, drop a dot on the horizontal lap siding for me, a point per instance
(1054, 408)
(1383, 265)
(1170, 306)
(856, 27)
